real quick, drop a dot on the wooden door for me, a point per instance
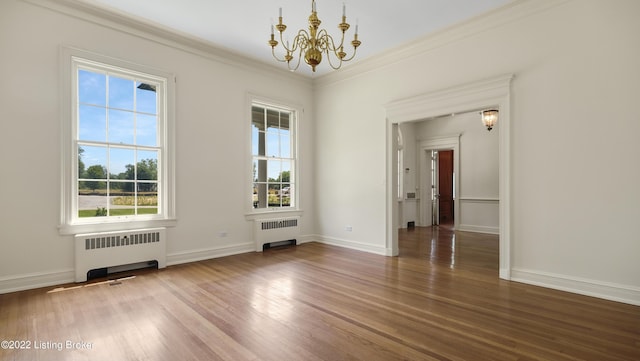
(445, 185)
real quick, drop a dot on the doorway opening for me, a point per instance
(437, 179)
(493, 92)
(442, 188)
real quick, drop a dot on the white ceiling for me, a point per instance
(243, 26)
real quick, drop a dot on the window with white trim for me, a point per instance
(118, 144)
(273, 144)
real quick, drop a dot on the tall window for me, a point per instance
(118, 145)
(273, 156)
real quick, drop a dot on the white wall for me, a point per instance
(574, 149)
(212, 136)
(478, 178)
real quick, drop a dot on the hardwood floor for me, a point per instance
(440, 300)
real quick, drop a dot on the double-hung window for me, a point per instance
(118, 145)
(273, 157)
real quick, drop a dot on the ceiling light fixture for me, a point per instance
(489, 118)
(314, 42)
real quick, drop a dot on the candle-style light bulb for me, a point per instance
(344, 10)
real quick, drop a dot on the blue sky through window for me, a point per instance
(116, 114)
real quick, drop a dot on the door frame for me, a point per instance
(425, 146)
(493, 92)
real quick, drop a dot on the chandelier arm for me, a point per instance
(287, 51)
(352, 55)
(321, 40)
(340, 61)
(298, 62)
(333, 46)
(273, 52)
(296, 41)
(330, 48)
(336, 51)
(330, 42)
(301, 40)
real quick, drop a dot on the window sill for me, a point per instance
(72, 229)
(272, 213)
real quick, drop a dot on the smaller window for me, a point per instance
(273, 157)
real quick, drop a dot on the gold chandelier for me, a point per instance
(314, 42)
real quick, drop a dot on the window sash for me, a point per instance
(144, 192)
(273, 149)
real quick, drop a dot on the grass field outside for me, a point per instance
(96, 205)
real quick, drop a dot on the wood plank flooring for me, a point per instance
(440, 300)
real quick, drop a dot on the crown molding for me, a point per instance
(468, 97)
(150, 31)
(484, 22)
(142, 28)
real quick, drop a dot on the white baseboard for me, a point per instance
(587, 287)
(46, 279)
(305, 239)
(352, 245)
(478, 229)
(209, 253)
(36, 280)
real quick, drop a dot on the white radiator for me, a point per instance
(110, 249)
(274, 230)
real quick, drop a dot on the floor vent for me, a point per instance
(279, 244)
(109, 271)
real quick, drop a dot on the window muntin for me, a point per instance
(273, 157)
(118, 124)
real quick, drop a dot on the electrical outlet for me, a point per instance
(348, 228)
(222, 234)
